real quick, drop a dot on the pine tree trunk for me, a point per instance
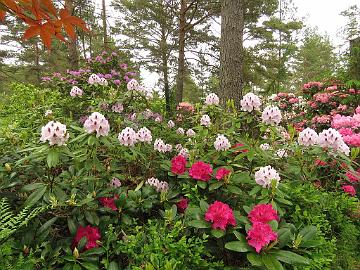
(104, 25)
(73, 55)
(165, 69)
(231, 50)
(181, 61)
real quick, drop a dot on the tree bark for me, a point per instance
(231, 50)
(181, 60)
(104, 25)
(73, 55)
(165, 69)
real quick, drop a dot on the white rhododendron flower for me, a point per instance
(160, 186)
(205, 120)
(128, 137)
(94, 79)
(281, 153)
(180, 131)
(222, 143)
(212, 99)
(271, 115)
(48, 113)
(265, 146)
(133, 85)
(96, 122)
(265, 175)
(171, 124)
(144, 135)
(55, 133)
(117, 107)
(308, 137)
(331, 138)
(76, 91)
(250, 102)
(190, 133)
(184, 152)
(160, 146)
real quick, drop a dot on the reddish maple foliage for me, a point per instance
(43, 18)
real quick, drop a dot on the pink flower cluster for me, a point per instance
(178, 165)
(127, 137)
(55, 133)
(96, 122)
(201, 171)
(312, 84)
(161, 146)
(331, 138)
(261, 234)
(205, 120)
(266, 175)
(271, 115)
(117, 107)
(322, 97)
(144, 135)
(308, 137)
(212, 99)
(348, 127)
(222, 143)
(76, 91)
(220, 215)
(160, 186)
(250, 102)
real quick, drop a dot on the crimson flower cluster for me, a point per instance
(221, 215)
(92, 235)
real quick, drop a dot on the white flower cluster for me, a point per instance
(205, 120)
(250, 102)
(271, 115)
(331, 138)
(97, 122)
(161, 146)
(144, 135)
(308, 137)
(117, 107)
(180, 131)
(134, 85)
(95, 79)
(160, 186)
(76, 91)
(55, 133)
(212, 99)
(265, 146)
(265, 175)
(128, 136)
(171, 124)
(190, 133)
(222, 143)
(184, 152)
(281, 153)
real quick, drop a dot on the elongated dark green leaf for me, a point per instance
(36, 196)
(290, 257)
(46, 225)
(271, 263)
(238, 246)
(200, 224)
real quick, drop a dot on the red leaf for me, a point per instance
(2, 15)
(11, 5)
(69, 29)
(60, 37)
(64, 13)
(49, 6)
(32, 31)
(45, 34)
(77, 22)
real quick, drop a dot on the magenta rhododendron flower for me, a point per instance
(178, 164)
(353, 176)
(221, 215)
(92, 235)
(349, 189)
(221, 173)
(201, 171)
(260, 235)
(182, 205)
(108, 202)
(263, 213)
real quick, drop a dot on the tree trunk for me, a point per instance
(37, 62)
(355, 59)
(181, 61)
(231, 50)
(73, 55)
(165, 69)
(104, 25)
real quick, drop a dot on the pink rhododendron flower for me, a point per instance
(180, 131)
(271, 115)
(263, 213)
(353, 176)
(160, 146)
(221, 215)
(117, 107)
(260, 235)
(265, 175)
(178, 164)
(349, 189)
(250, 102)
(92, 235)
(331, 138)
(185, 106)
(144, 135)
(171, 124)
(201, 171)
(184, 152)
(322, 97)
(319, 162)
(205, 120)
(115, 182)
(212, 99)
(222, 143)
(160, 186)
(128, 137)
(182, 205)
(96, 122)
(55, 133)
(190, 133)
(76, 91)
(94, 79)
(133, 85)
(308, 137)
(221, 173)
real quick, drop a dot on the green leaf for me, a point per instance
(139, 185)
(204, 206)
(94, 251)
(254, 259)
(271, 262)
(90, 266)
(234, 189)
(238, 246)
(274, 224)
(255, 190)
(202, 184)
(31, 187)
(216, 185)
(113, 266)
(200, 224)
(76, 267)
(290, 257)
(46, 225)
(308, 233)
(240, 237)
(35, 196)
(284, 236)
(217, 233)
(71, 225)
(91, 140)
(53, 158)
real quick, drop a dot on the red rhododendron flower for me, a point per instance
(319, 162)
(263, 213)
(178, 164)
(353, 176)
(221, 173)
(109, 202)
(239, 145)
(221, 215)
(349, 189)
(182, 205)
(92, 235)
(260, 235)
(201, 171)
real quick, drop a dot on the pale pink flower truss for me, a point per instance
(55, 133)
(265, 175)
(222, 143)
(128, 137)
(308, 137)
(250, 102)
(212, 99)
(271, 115)
(76, 91)
(144, 135)
(96, 122)
(205, 120)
